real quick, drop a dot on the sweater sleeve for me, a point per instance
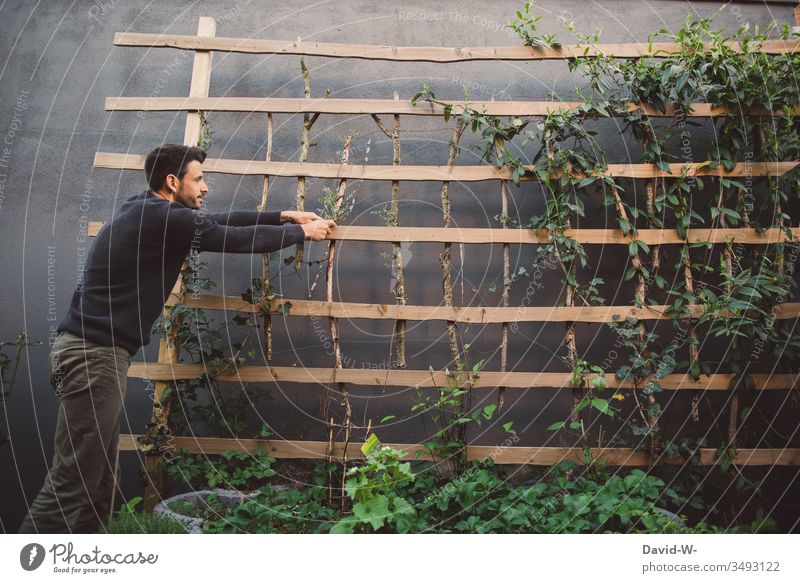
(246, 218)
(209, 235)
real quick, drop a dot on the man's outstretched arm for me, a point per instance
(208, 235)
(245, 218)
(250, 218)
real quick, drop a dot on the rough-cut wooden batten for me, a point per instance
(526, 236)
(436, 173)
(287, 449)
(468, 314)
(431, 54)
(331, 105)
(426, 378)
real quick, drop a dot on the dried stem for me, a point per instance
(641, 288)
(727, 258)
(694, 352)
(569, 301)
(305, 141)
(501, 393)
(265, 256)
(640, 299)
(445, 257)
(344, 393)
(397, 253)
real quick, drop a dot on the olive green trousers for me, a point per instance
(90, 381)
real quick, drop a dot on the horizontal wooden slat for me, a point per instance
(425, 378)
(389, 106)
(432, 54)
(436, 173)
(526, 236)
(469, 314)
(500, 454)
(529, 236)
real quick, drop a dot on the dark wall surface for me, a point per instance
(57, 66)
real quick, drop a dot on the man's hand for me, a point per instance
(318, 230)
(299, 217)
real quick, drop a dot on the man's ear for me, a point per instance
(172, 182)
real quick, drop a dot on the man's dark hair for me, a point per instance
(169, 159)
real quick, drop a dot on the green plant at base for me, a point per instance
(208, 508)
(127, 521)
(377, 489)
(452, 412)
(286, 511)
(389, 497)
(231, 469)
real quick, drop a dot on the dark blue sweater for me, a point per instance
(137, 257)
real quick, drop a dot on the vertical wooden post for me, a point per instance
(169, 350)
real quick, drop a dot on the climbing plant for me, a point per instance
(725, 291)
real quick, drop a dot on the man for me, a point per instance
(130, 271)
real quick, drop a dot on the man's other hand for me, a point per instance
(299, 217)
(318, 230)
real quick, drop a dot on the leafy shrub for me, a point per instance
(294, 511)
(231, 470)
(378, 489)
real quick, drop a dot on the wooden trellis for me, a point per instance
(168, 368)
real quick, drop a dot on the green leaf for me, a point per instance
(345, 526)
(557, 425)
(509, 428)
(663, 166)
(598, 382)
(731, 213)
(602, 406)
(371, 444)
(373, 511)
(129, 507)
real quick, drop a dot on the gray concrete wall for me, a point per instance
(58, 64)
